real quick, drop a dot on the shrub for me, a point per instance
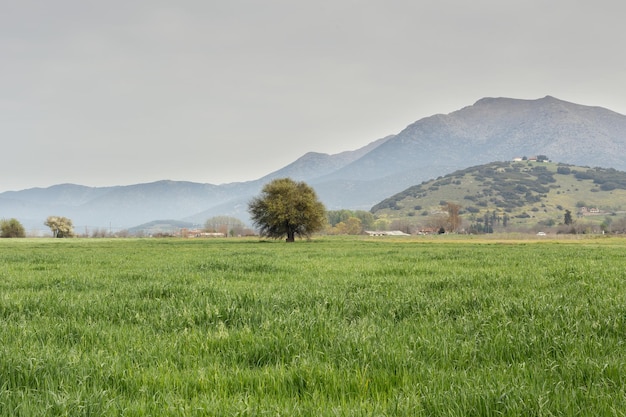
(11, 228)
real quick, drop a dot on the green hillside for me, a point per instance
(515, 195)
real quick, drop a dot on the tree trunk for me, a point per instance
(290, 236)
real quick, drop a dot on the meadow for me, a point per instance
(328, 327)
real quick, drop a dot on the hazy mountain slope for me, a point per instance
(307, 168)
(62, 194)
(491, 129)
(363, 194)
(499, 129)
(237, 208)
(131, 205)
(126, 206)
(117, 207)
(567, 132)
(314, 164)
(31, 215)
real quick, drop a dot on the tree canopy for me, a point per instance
(287, 208)
(346, 217)
(11, 228)
(60, 226)
(225, 224)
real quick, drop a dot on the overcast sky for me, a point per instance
(123, 92)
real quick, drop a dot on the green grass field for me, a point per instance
(330, 327)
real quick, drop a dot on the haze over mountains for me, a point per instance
(493, 129)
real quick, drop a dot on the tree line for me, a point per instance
(59, 226)
(289, 209)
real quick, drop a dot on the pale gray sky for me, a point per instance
(123, 92)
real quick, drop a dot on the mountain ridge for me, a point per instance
(489, 130)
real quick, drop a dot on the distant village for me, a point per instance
(538, 158)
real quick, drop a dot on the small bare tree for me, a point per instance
(437, 221)
(454, 219)
(224, 224)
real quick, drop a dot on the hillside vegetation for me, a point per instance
(515, 194)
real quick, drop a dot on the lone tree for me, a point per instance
(287, 208)
(60, 226)
(11, 228)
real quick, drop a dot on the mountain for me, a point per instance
(528, 193)
(491, 129)
(315, 165)
(498, 129)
